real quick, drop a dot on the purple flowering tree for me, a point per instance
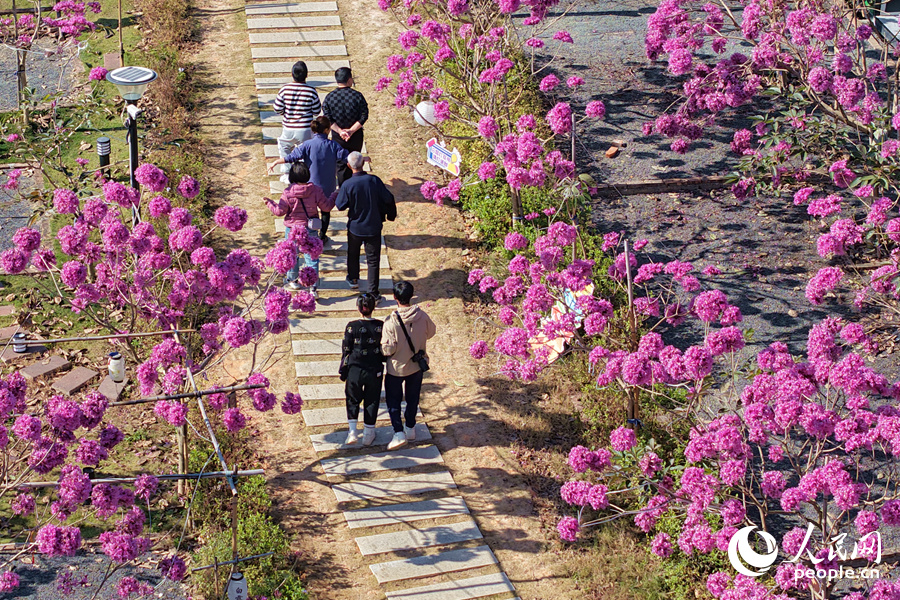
(59, 119)
(161, 275)
(161, 278)
(806, 444)
(807, 453)
(463, 63)
(833, 126)
(22, 31)
(46, 449)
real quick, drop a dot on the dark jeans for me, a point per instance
(354, 144)
(393, 396)
(363, 386)
(373, 259)
(326, 219)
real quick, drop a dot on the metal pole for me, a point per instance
(169, 477)
(132, 149)
(133, 113)
(631, 410)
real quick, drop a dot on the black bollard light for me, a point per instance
(104, 149)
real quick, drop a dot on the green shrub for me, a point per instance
(257, 534)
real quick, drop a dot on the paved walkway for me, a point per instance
(403, 507)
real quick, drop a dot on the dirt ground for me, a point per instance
(426, 246)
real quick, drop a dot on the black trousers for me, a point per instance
(363, 387)
(373, 259)
(354, 144)
(394, 395)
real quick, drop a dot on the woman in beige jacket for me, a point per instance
(403, 377)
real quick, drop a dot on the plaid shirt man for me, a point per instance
(345, 106)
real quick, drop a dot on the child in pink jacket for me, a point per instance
(300, 202)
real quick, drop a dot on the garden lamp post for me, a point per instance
(132, 82)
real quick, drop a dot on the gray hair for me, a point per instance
(355, 160)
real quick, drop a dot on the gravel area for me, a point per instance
(14, 211)
(38, 580)
(46, 74)
(765, 246)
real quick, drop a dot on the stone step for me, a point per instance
(339, 263)
(271, 133)
(281, 8)
(319, 324)
(410, 484)
(337, 227)
(318, 368)
(297, 37)
(275, 83)
(337, 415)
(324, 391)
(434, 564)
(111, 390)
(323, 66)
(459, 589)
(342, 304)
(315, 347)
(437, 508)
(325, 442)
(51, 366)
(383, 461)
(298, 51)
(418, 538)
(340, 283)
(294, 22)
(74, 380)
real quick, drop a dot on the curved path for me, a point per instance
(402, 507)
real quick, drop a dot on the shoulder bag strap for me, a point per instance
(406, 333)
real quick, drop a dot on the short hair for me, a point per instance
(320, 124)
(365, 304)
(299, 71)
(343, 75)
(403, 292)
(355, 160)
(299, 173)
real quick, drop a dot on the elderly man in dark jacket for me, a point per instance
(369, 204)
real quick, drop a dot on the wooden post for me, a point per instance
(121, 43)
(21, 80)
(181, 438)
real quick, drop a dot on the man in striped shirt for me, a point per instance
(298, 104)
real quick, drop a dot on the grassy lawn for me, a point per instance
(107, 123)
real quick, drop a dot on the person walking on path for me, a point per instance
(362, 370)
(348, 111)
(403, 341)
(368, 203)
(321, 155)
(300, 204)
(298, 104)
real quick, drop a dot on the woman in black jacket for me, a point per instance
(362, 370)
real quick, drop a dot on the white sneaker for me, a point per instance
(352, 437)
(368, 437)
(293, 285)
(398, 441)
(410, 433)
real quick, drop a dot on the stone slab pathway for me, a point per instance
(408, 488)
